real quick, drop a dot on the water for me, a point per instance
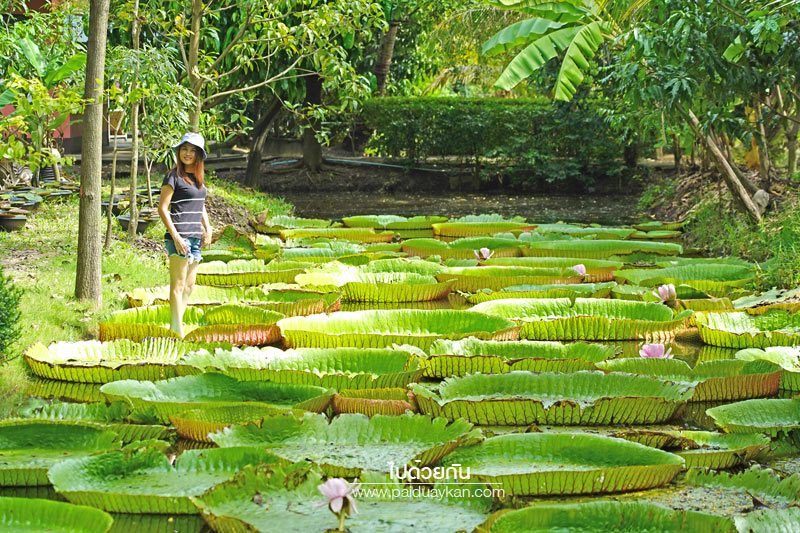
(589, 208)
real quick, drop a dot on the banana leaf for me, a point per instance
(392, 222)
(604, 516)
(549, 464)
(468, 356)
(277, 297)
(597, 270)
(579, 398)
(286, 498)
(787, 358)
(473, 279)
(587, 318)
(24, 514)
(334, 368)
(162, 399)
(773, 417)
(722, 380)
(28, 448)
(371, 402)
(365, 235)
(143, 480)
(379, 329)
(600, 249)
(741, 330)
(248, 273)
(461, 248)
(702, 449)
(349, 444)
(713, 279)
(198, 424)
(571, 291)
(230, 323)
(103, 362)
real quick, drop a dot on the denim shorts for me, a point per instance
(193, 243)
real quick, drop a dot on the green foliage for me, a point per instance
(10, 296)
(719, 231)
(555, 142)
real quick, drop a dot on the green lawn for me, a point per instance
(42, 260)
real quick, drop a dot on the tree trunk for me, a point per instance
(88, 278)
(312, 150)
(110, 212)
(385, 59)
(749, 185)
(192, 68)
(728, 174)
(763, 147)
(260, 134)
(134, 208)
(148, 167)
(677, 153)
(791, 140)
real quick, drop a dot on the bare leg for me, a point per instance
(188, 286)
(178, 268)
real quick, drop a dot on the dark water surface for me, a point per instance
(588, 208)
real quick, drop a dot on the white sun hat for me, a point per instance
(196, 140)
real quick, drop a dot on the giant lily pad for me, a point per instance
(252, 272)
(580, 398)
(553, 290)
(590, 232)
(788, 300)
(144, 481)
(232, 323)
(99, 362)
(757, 482)
(280, 298)
(393, 222)
(172, 396)
(775, 327)
(277, 498)
(727, 379)
(601, 249)
(702, 449)
(473, 279)
(770, 521)
(712, 279)
(787, 358)
(198, 424)
(28, 448)
(605, 516)
(461, 248)
(274, 225)
(758, 416)
(371, 402)
(350, 234)
(26, 514)
(545, 464)
(336, 368)
(351, 443)
(596, 269)
(467, 356)
(487, 226)
(587, 318)
(378, 329)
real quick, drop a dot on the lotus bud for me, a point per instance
(339, 494)
(668, 294)
(580, 269)
(483, 254)
(655, 351)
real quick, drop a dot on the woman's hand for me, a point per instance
(181, 247)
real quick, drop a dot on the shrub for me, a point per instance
(535, 140)
(9, 313)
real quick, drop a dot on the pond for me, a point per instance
(589, 208)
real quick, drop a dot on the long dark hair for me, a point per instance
(199, 169)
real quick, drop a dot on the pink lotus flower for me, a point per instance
(483, 254)
(667, 293)
(655, 351)
(580, 269)
(340, 500)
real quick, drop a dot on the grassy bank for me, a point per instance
(42, 260)
(716, 228)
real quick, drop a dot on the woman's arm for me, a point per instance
(207, 232)
(163, 212)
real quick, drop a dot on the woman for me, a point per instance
(182, 207)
